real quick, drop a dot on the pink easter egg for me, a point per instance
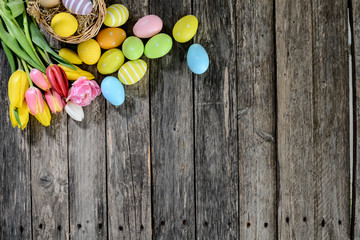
(80, 7)
(148, 26)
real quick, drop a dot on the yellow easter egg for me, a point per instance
(185, 29)
(64, 24)
(116, 15)
(70, 56)
(89, 51)
(110, 61)
(132, 71)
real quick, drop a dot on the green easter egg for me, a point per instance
(133, 48)
(158, 46)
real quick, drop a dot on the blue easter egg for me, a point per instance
(197, 59)
(113, 90)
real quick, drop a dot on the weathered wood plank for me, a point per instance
(128, 151)
(87, 172)
(15, 189)
(172, 150)
(49, 176)
(216, 153)
(256, 119)
(313, 120)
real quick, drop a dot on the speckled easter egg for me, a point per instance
(185, 29)
(148, 26)
(133, 48)
(89, 51)
(132, 71)
(110, 61)
(158, 46)
(113, 90)
(64, 24)
(197, 59)
(79, 7)
(116, 15)
(110, 37)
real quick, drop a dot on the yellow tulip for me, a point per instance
(17, 86)
(45, 117)
(70, 55)
(23, 113)
(75, 74)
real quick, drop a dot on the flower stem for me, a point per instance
(44, 56)
(27, 72)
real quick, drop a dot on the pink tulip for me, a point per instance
(34, 100)
(54, 101)
(83, 91)
(40, 79)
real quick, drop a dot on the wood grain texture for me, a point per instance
(216, 153)
(15, 189)
(256, 119)
(49, 176)
(87, 172)
(128, 151)
(313, 120)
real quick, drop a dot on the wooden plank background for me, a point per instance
(258, 147)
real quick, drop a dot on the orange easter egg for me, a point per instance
(110, 37)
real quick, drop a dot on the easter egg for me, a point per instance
(132, 71)
(49, 3)
(110, 37)
(148, 26)
(185, 28)
(79, 7)
(116, 15)
(133, 48)
(113, 90)
(110, 61)
(70, 56)
(64, 24)
(158, 46)
(89, 51)
(197, 59)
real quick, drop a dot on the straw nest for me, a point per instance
(89, 25)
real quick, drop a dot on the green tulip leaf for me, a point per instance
(16, 114)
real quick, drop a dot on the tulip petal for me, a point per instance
(74, 111)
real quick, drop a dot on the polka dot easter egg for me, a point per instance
(158, 46)
(132, 71)
(185, 29)
(113, 90)
(148, 26)
(79, 7)
(110, 61)
(89, 51)
(116, 15)
(197, 59)
(111, 37)
(133, 48)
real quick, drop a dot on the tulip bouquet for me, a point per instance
(37, 86)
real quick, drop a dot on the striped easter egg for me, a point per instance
(132, 71)
(79, 7)
(116, 15)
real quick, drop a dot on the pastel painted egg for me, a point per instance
(185, 29)
(89, 51)
(197, 59)
(79, 7)
(110, 61)
(148, 26)
(113, 90)
(116, 15)
(64, 24)
(133, 48)
(110, 37)
(49, 3)
(132, 71)
(158, 46)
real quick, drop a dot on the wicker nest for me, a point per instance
(89, 25)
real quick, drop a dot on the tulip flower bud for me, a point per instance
(23, 115)
(40, 79)
(58, 80)
(45, 117)
(54, 101)
(34, 100)
(74, 111)
(17, 86)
